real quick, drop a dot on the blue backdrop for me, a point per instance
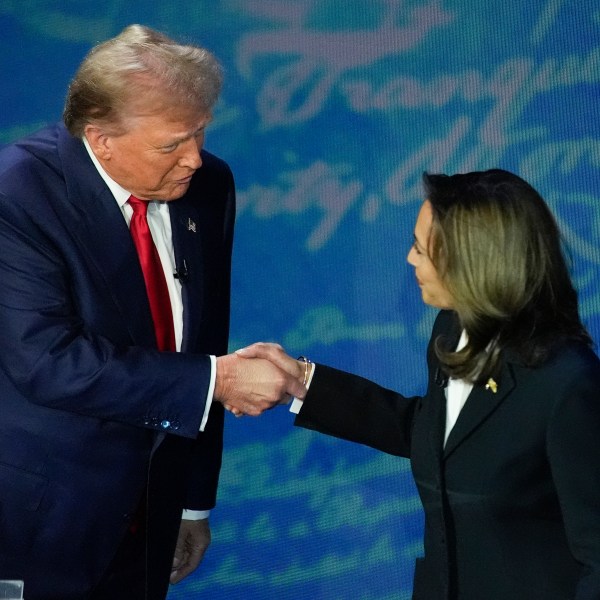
(331, 111)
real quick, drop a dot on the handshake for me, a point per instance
(257, 378)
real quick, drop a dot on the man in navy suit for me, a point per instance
(105, 438)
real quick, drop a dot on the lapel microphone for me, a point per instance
(181, 273)
(441, 379)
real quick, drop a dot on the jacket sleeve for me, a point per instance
(65, 344)
(356, 409)
(353, 408)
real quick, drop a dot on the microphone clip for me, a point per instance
(440, 379)
(181, 273)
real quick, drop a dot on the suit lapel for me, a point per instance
(438, 428)
(104, 238)
(451, 331)
(480, 404)
(186, 225)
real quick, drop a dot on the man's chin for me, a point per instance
(176, 192)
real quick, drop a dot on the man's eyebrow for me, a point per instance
(186, 136)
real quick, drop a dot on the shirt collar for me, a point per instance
(120, 194)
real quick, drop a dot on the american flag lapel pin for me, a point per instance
(191, 225)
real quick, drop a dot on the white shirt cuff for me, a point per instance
(211, 391)
(195, 515)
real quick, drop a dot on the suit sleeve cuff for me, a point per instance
(296, 403)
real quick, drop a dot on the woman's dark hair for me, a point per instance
(497, 249)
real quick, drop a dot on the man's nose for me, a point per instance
(190, 157)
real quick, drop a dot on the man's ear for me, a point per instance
(99, 141)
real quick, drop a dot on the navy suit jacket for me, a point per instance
(93, 417)
(512, 501)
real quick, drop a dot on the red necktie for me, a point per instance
(154, 276)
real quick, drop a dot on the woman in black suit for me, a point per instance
(504, 445)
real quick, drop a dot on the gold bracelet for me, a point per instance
(306, 362)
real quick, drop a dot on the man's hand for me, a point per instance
(276, 354)
(251, 386)
(193, 540)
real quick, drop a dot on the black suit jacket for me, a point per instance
(94, 417)
(512, 502)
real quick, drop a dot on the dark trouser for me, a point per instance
(141, 567)
(125, 578)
